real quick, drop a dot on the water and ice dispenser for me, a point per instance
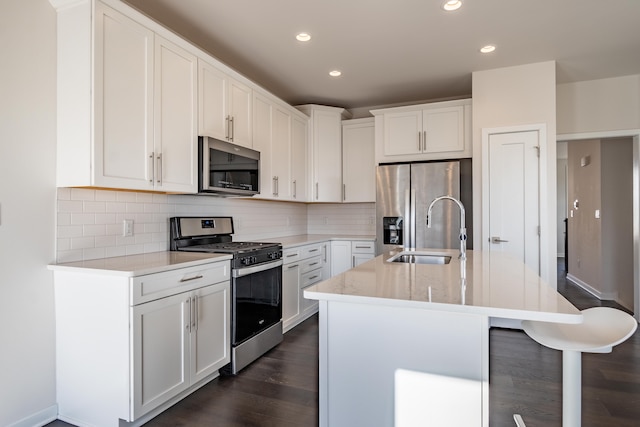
(392, 230)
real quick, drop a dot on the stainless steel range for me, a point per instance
(256, 284)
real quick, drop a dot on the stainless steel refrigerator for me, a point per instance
(403, 194)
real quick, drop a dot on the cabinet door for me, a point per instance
(402, 133)
(212, 101)
(123, 101)
(262, 136)
(443, 129)
(241, 129)
(299, 168)
(290, 293)
(340, 256)
(210, 330)
(160, 356)
(358, 163)
(281, 152)
(176, 140)
(327, 156)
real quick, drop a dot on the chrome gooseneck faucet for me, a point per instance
(463, 229)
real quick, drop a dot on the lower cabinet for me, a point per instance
(128, 347)
(303, 267)
(346, 254)
(178, 341)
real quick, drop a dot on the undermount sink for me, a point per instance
(412, 257)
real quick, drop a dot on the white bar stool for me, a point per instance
(601, 329)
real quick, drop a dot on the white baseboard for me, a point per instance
(593, 291)
(38, 419)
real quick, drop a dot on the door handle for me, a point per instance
(496, 240)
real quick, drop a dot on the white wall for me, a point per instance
(514, 96)
(599, 105)
(27, 211)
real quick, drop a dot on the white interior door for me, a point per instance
(514, 212)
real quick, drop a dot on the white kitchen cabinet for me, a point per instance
(299, 169)
(280, 136)
(175, 137)
(340, 256)
(290, 290)
(423, 132)
(117, 81)
(225, 106)
(302, 267)
(148, 340)
(178, 341)
(358, 161)
(325, 152)
(346, 254)
(362, 251)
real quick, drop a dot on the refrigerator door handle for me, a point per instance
(413, 219)
(406, 226)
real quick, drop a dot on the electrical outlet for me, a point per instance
(127, 227)
(371, 220)
(326, 220)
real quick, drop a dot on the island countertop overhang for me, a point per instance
(488, 283)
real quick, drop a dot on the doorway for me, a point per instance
(602, 213)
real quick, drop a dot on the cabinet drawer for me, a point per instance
(291, 255)
(159, 285)
(362, 247)
(310, 278)
(311, 250)
(311, 264)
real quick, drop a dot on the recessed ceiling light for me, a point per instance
(335, 73)
(488, 48)
(452, 5)
(303, 37)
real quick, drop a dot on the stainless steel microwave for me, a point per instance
(227, 169)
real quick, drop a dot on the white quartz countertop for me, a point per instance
(138, 265)
(307, 239)
(489, 283)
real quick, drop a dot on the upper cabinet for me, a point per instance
(280, 134)
(358, 161)
(126, 103)
(424, 132)
(225, 106)
(325, 152)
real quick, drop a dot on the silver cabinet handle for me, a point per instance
(313, 277)
(232, 132)
(199, 276)
(292, 266)
(295, 190)
(497, 240)
(317, 194)
(277, 186)
(312, 264)
(344, 191)
(228, 120)
(189, 301)
(353, 261)
(363, 247)
(424, 140)
(159, 177)
(152, 167)
(313, 250)
(275, 192)
(419, 141)
(194, 325)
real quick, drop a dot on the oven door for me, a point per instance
(256, 299)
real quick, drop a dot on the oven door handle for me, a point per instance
(240, 272)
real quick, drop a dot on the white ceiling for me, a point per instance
(400, 51)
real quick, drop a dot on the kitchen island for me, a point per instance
(385, 325)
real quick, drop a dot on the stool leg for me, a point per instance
(571, 388)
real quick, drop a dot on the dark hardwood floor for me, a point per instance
(281, 388)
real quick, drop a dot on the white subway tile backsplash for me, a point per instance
(92, 220)
(83, 194)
